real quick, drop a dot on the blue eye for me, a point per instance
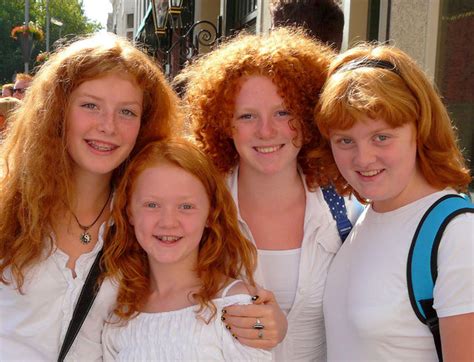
(345, 141)
(283, 113)
(186, 206)
(381, 137)
(128, 112)
(89, 106)
(151, 205)
(245, 116)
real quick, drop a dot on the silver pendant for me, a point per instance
(85, 237)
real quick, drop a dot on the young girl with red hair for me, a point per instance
(391, 142)
(177, 254)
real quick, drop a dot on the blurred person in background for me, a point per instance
(22, 82)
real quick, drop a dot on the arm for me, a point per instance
(454, 289)
(241, 318)
(457, 337)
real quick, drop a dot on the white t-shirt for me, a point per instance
(305, 339)
(178, 336)
(33, 324)
(280, 269)
(367, 309)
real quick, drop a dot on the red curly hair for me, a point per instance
(36, 170)
(399, 96)
(224, 253)
(296, 63)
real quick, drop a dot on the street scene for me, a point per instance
(236, 180)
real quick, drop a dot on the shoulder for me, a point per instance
(236, 287)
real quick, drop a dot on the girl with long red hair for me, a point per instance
(91, 105)
(177, 254)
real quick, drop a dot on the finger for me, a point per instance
(248, 337)
(249, 323)
(249, 310)
(264, 296)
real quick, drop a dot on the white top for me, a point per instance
(366, 304)
(280, 270)
(179, 336)
(305, 339)
(33, 324)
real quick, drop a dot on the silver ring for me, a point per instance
(258, 325)
(260, 334)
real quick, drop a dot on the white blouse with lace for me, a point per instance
(179, 336)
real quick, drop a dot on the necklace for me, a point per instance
(86, 237)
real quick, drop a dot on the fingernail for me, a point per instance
(255, 297)
(224, 311)
(227, 326)
(223, 318)
(233, 335)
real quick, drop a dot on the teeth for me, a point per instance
(168, 238)
(101, 147)
(267, 149)
(370, 173)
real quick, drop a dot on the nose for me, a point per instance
(106, 122)
(365, 155)
(266, 128)
(169, 218)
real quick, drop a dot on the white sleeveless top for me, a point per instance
(179, 336)
(280, 271)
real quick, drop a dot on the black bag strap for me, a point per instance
(84, 304)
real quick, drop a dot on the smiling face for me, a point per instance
(168, 209)
(103, 121)
(262, 133)
(379, 162)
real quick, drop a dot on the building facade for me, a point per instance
(122, 19)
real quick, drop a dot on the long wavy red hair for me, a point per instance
(399, 96)
(296, 63)
(35, 177)
(224, 253)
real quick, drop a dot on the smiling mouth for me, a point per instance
(101, 146)
(268, 149)
(168, 239)
(370, 173)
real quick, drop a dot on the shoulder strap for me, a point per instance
(227, 288)
(84, 303)
(337, 206)
(422, 264)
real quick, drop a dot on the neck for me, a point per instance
(270, 188)
(90, 192)
(171, 278)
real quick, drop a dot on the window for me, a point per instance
(129, 20)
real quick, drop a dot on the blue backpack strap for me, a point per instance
(337, 206)
(422, 264)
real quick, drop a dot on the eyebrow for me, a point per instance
(99, 99)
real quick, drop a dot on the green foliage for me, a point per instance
(12, 13)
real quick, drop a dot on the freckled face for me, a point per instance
(262, 133)
(379, 162)
(168, 209)
(103, 121)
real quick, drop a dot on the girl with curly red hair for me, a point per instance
(92, 105)
(177, 254)
(250, 103)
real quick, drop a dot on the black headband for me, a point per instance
(371, 63)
